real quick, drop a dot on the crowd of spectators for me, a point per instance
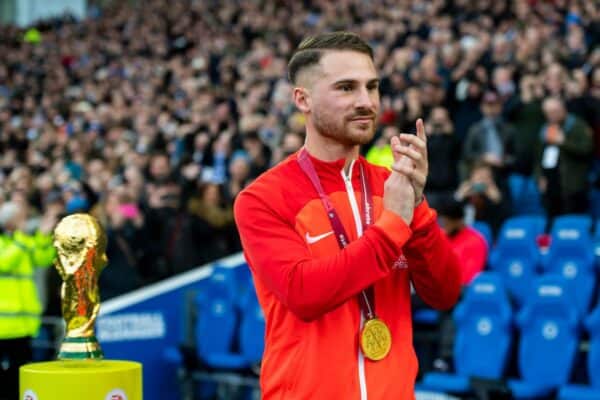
(154, 114)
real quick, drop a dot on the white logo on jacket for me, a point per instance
(400, 263)
(314, 239)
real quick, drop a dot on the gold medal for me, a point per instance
(375, 339)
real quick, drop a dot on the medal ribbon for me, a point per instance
(366, 297)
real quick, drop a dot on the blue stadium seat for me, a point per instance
(483, 336)
(221, 282)
(579, 222)
(596, 241)
(485, 230)
(571, 255)
(516, 255)
(213, 353)
(525, 195)
(518, 269)
(252, 329)
(244, 277)
(549, 327)
(216, 332)
(426, 316)
(591, 391)
(532, 224)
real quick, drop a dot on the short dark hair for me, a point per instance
(451, 208)
(311, 49)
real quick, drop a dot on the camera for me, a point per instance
(437, 127)
(479, 187)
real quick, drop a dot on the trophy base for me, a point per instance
(88, 379)
(80, 348)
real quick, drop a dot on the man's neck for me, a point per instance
(327, 149)
(453, 227)
(561, 121)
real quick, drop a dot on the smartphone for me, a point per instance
(479, 187)
(129, 210)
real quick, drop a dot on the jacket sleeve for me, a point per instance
(309, 286)
(10, 256)
(43, 250)
(433, 265)
(578, 142)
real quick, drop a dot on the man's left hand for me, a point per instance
(414, 147)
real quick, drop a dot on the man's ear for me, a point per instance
(302, 99)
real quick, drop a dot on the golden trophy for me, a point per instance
(80, 371)
(80, 245)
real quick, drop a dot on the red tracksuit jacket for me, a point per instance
(307, 286)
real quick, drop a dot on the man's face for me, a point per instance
(439, 116)
(343, 97)
(159, 167)
(491, 109)
(554, 111)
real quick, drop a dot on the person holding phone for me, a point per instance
(334, 242)
(564, 160)
(485, 200)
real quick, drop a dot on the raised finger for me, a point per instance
(413, 140)
(394, 143)
(409, 152)
(421, 130)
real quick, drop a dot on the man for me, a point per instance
(491, 139)
(443, 150)
(335, 285)
(470, 246)
(564, 160)
(485, 199)
(21, 307)
(381, 152)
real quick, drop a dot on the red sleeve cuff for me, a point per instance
(422, 216)
(394, 227)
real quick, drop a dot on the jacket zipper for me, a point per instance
(362, 380)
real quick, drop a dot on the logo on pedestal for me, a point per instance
(116, 394)
(30, 395)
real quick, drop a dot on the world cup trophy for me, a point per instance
(80, 372)
(80, 245)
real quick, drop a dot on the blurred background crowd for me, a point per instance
(154, 114)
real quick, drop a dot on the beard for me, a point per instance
(343, 129)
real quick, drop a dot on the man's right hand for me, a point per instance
(399, 194)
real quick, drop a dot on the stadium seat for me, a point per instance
(216, 332)
(549, 336)
(216, 328)
(525, 195)
(222, 281)
(579, 222)
(243, 277)
(532, 224)
(571, 255)
(516, 255)
(518, 269)
(219, 350)
(485, 230)
(591, 391)
(426, 316)
(483, 336)
(252, 329)
(596, 241)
